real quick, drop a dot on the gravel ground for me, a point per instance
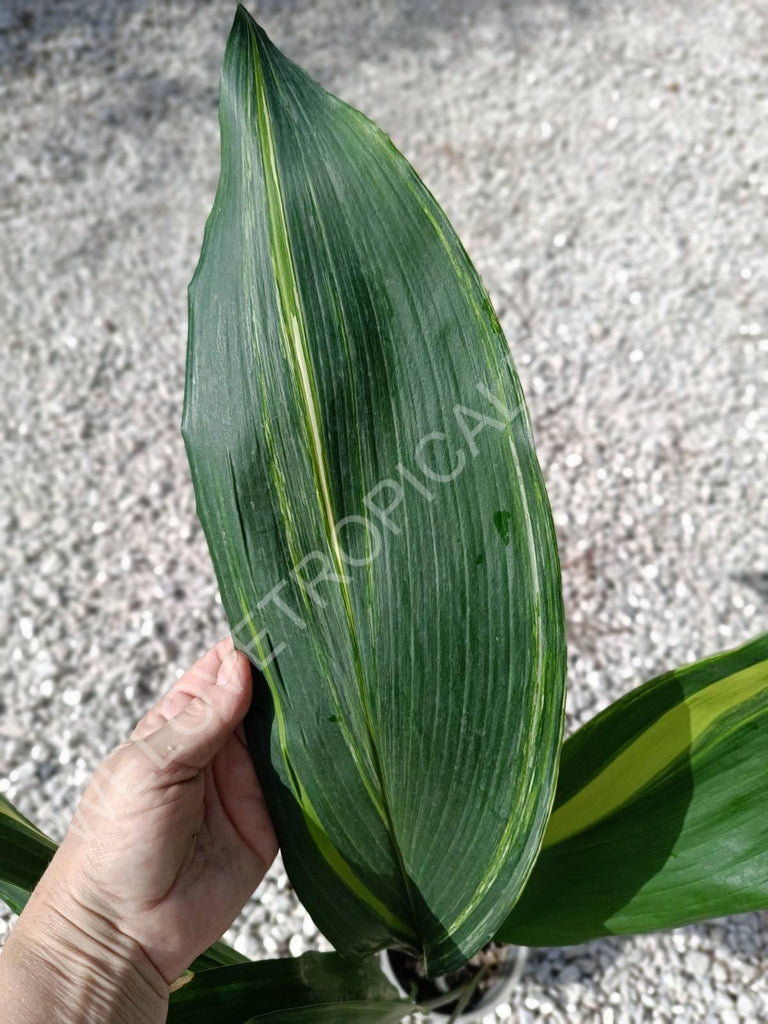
(606, 166)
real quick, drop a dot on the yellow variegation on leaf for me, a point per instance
(366, 478)
(660, 817)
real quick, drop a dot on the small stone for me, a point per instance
(25, 771)
(746, 1007)
(698, 963)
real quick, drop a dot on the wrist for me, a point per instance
(80, 966)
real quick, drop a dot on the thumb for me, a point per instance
(193, 737)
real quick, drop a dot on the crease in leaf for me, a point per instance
(295, 332)
(346, 369)
(332, 856)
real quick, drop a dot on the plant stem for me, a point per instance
(469, 992)
(464, 994)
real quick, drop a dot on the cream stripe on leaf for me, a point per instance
(410, 719)
(661, 816)
(654, 751)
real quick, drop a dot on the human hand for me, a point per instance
(171, 836)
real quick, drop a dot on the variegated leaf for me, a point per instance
(661, 816)
(366, 478)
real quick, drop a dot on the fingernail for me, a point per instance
(227, 670)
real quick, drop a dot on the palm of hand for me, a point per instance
(173, 834)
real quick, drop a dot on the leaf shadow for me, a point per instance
(583, 886)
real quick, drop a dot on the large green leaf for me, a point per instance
(661, 816)
(366, 478)
(315, 986)
(25, 853)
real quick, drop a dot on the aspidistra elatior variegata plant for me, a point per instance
(366, 478)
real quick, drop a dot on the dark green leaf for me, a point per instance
(337, 1013)
(25, 853)
(218, 955)
(366, 478)
(661, 816)
(321, 983)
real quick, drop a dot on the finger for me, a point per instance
(194, 735)
(193, 683)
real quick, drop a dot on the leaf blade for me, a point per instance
(218, 955)
(279, 989)
(353, 1012)
(341, 343)
(25, 853)
(660, 815)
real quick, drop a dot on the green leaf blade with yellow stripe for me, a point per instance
(366, 478)
(661, 814)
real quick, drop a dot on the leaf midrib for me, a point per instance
(295, 332)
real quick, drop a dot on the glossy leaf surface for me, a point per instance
(661, 815)
(366, 478)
